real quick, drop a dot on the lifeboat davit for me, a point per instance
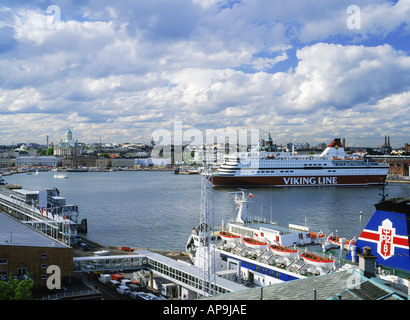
(336, 240)
(317, 260)
(253, 243)
(284, 251)
(229, 237)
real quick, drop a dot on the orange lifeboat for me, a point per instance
(284, 251)
(228, 236)
(253, 243)
(316, 235)
(317, 260)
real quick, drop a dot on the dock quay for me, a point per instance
(41, 219)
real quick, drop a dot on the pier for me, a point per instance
(52, 223)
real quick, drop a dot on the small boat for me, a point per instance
(229, 237)
(336, 240)
(284, 251)
(315, 235)
(317, 260)
(253, 243)
(60, 176)
(37, 173)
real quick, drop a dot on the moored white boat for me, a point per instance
(269, 253)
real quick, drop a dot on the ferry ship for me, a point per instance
(264, 167)
(262, 253)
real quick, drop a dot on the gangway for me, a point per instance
(181, 273)
(109, 263)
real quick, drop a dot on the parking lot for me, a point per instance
(109, 290)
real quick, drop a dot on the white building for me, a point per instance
(38, 161)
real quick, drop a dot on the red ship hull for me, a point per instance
(306, 181)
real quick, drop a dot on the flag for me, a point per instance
(250, 195)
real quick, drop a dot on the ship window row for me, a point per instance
(260, 269)
(264, 163)
(244, 232)
(344, 172)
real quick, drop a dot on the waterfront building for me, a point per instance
(118, 163)
(38, 161)
(160, 162)
(24, 250)
(398, 164)
(7, 162)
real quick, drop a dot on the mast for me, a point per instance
(206, 250)
(241, 200)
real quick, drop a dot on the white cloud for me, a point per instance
(122, 70)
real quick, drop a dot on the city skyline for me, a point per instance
(304, 71)
(298, 144)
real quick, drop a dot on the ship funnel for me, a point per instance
(334, 149)
(387, 234)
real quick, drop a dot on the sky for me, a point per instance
(305, 71)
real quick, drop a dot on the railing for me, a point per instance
(59, 296)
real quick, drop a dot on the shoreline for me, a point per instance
(82, 171)
(398, 181)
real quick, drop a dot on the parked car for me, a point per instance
(117, 276)
(83, 246)
(104, 278)
(124, 290)
(126, 248)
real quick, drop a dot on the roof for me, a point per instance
(14, 233)
(190, 269)
(348, 285)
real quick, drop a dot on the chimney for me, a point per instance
(385, 140)
(388, 141)
(367, 262)
(343, 144)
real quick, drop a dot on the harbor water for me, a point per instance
(158, 209)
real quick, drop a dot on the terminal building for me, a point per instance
(24, 250)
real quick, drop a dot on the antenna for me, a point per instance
(382, 193)
(206, 250)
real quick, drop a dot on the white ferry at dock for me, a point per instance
(279, 253)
